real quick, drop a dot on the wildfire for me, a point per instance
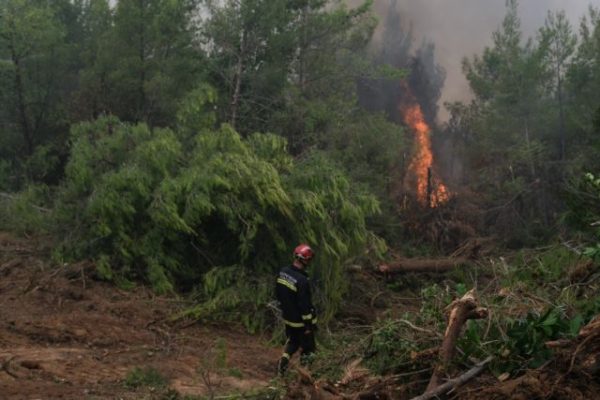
(430, 190)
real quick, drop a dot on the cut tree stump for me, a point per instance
(461, 310)
(424, 265)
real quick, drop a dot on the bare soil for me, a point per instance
(64, 335)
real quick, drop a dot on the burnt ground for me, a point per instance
(64, 335)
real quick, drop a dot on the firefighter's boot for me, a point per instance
(282, 365)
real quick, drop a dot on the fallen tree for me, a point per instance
(422, 265)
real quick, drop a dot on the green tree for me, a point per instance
(321, 94)
(251, 44)
(507, 143)
(559, 41)
(583, 79)
(33, 53)
(93, 96)
(148, 61)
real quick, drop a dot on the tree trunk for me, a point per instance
(460, 311)
(142, 59)
(411, 265)
(528, 141)
(302, 51)
(235, 98)
(561, 117)
(21, 106)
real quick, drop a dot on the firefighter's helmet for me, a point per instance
(303, 252)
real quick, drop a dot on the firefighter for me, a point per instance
(299, 315)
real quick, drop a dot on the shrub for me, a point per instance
(24, 212)
(220, 215)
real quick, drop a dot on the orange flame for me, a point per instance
(430, 191)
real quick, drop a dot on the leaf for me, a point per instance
(575, 325)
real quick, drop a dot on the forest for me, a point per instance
(160, 160)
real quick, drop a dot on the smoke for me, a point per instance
(462, 28)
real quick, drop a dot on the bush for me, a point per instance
(24, 212)
(390, 346)
(220, 215)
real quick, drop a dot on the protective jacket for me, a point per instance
(293, 293)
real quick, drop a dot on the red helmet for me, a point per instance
(303, 252)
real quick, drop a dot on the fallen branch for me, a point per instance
(460, 311)
(418, 329)
(455, 382)
(557, 344)
(6, 367)
(414, 265)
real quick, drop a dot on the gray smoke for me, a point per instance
(460, 28)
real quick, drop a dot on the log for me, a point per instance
(422, 265)
(455, 382)
(557, 344)
(461, 310)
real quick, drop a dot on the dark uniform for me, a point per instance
(299, 315)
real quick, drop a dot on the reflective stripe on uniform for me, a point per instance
(307, 317)
(286, 355)
(314, 321)
(294, 324)
(287, 284)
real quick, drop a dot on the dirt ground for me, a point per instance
(64, 335)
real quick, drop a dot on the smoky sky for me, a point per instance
(460, 28)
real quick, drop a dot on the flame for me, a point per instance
(430, 190)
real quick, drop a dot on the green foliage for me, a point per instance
(5, 168)
(43, 163)
(540, 268)
(230, 293)
(593, 252)
(224, 211)
(434, 300)
(147, 60)
(583, 199)
(369, 148)
(194, 113)
(269, 60)
(34, 54)
(144, 377)
(537, 304)
(527, 337)
(519, 343)
(517, 123)
(24, 212)
(389, 347)
(334, 219)
(67, 61)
